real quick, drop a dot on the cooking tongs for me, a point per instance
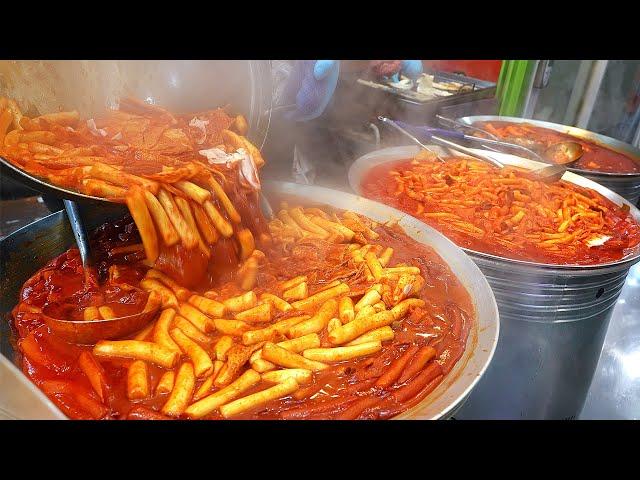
(429, 132)
(455, 124)
(406, 129)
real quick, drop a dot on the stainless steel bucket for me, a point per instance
(626, 185)
(553, 321)
(31, 247)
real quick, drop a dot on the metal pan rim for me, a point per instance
(359, 168)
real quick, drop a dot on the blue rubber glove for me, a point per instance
(310, 87)
(410, 68)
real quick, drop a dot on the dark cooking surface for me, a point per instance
(15, 214)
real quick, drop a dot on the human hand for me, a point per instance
(390, 70)
(310, 87)
(411, 68)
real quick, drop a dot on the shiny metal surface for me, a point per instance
(21, 254)
(553, 320)
(393, 124)
(90, 86)
(452, 123)
(615, 391)
(20, 400)
(29, 248)
(460, 148)
(79, 233)
(487, 143)
(625, 184)
(456, 387)
(89, 333)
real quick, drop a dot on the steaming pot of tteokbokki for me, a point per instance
(555, 253)
(337, 308)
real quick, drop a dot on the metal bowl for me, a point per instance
(91, 86)
(553, 317)
(626, 185)
(31, 247)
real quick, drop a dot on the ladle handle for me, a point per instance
(442, 142)
(428, 132)
(265, 206)
(73, 212)
(390, 122)
(451, 123)
(467, 151)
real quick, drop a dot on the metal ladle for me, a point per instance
(91, 331)
(561, 153)
(88, 332)
(567, 154)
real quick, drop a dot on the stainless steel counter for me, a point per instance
(615, 390)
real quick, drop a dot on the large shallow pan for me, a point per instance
(626, 185)
(553, 318)
(29, 248)
(91, 86)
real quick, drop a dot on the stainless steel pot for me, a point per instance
(626, 185)
(553, 319)
(29, 248)
(92, 86)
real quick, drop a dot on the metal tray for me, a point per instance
(29, 248)
(481, 89)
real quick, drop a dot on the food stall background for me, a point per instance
(601, 95)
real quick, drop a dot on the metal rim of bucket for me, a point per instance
(463, 267)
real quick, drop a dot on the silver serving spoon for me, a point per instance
(564, 155)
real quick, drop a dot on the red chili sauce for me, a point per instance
(595, 156)
(444, 323)
(378, 185)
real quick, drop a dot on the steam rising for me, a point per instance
(322, 150)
